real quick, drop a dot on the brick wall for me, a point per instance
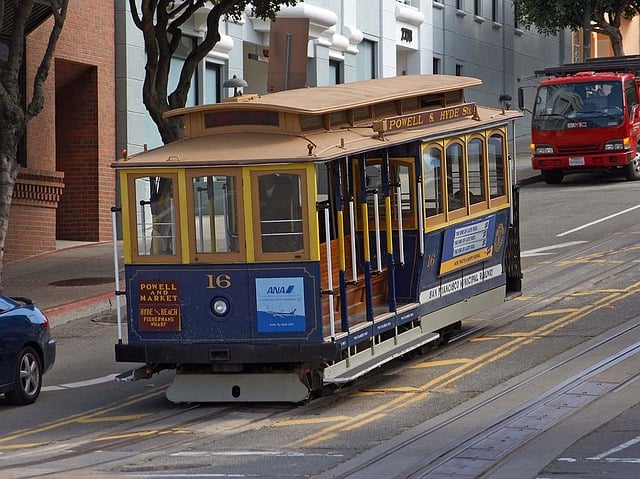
(81, 84)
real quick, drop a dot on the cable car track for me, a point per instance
(423, 469)
(122, 438)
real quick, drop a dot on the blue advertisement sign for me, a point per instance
(280, 305)
(467, 244)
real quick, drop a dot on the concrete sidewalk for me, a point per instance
(75, 281)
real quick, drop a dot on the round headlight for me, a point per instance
(219, 306)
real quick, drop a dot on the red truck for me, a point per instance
(586, 117)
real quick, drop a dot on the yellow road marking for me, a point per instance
(315, 420)
(597, 291)
(450, 378)
(130, 417)
(442, 362)
(79, 418)
(550, 312)
(147, 433)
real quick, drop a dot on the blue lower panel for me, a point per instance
(174, 304)
(227, 354)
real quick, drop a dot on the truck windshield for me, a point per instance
(578, 105)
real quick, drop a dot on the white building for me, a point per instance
(350, 40)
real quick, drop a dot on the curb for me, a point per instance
(64, 313)
(530, 180)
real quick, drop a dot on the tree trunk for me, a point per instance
(616, 44)
(8, 176)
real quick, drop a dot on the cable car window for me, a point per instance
(215, 214)
(401, 175)
(281, 213)
(476, 171)
(156, 215)
(496, 166)
(456, 192)
(432, 171)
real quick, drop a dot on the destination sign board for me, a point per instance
(425, 118)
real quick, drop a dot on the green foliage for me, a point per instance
(604, 16)
(160, 22)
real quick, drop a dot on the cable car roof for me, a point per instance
(324, 99)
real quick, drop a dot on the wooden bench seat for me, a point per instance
(356, 295)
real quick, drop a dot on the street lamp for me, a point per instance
(235, 83)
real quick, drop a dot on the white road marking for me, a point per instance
(613, 450)
(598, 221)
(545, 249)
(81, 384)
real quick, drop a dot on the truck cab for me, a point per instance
(586, 117)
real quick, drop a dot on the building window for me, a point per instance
(212, 83)
(460, 4)
(335, 72)
(477, 7)
(436, 66)
(494, 10)
(187, 44)
(366, 60)
(458, 69)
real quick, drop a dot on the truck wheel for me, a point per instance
(552, 177)
(632, 170)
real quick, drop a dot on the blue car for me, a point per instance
(27, 350)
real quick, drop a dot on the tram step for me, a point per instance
(365, 361)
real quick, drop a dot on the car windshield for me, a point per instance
(5, 304)
(578, 105)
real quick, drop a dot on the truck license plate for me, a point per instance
(576, 161)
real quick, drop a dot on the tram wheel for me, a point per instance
(552, 177)
(447, 333)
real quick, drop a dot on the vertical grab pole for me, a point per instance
(173, 229)
(143, 224)
(325, 206)
(339, 207)
(400, 230)
(352, 220)
(366, 246)
(201, 217)
(391, 281)
(421, 218)
(352, 227)
(117, 270)
(376, 214)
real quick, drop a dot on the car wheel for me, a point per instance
(28, 378)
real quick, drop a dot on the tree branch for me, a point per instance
(59, 10)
